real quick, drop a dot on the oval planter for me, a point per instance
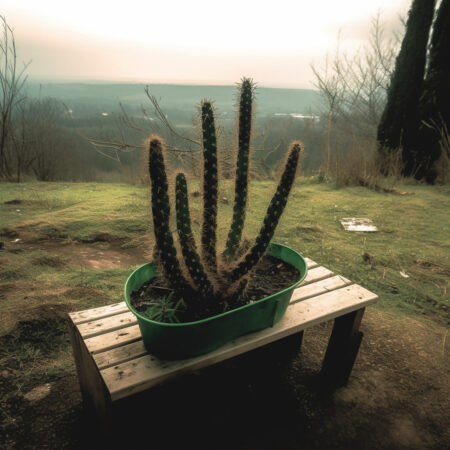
(185, 340)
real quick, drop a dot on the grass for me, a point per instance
(42, 223)
(413, 239)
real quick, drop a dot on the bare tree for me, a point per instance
(12, 80)
(354, 86)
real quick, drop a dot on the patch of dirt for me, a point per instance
(104, 256)
(433, 267)
(8, 232)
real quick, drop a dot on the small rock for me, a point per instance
(38, 393)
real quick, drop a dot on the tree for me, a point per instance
(399, 119)
(353, 88)
(11, 83)
(434, 105)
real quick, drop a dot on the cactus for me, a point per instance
(202, 277)
(240, 194)
(210, 185)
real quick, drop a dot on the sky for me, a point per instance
(196, 41)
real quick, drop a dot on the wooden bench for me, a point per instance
(112, 362)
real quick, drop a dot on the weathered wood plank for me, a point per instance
(310, 263)
(319, 287)
(144, 372)
(107, 324)
(97, 313)
(317, 274)
(120, 354)
(113, 339)
(96, 397)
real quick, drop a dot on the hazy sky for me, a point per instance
(192, 40)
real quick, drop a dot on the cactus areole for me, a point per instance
(198, 278)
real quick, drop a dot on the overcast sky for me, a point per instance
(189, 41)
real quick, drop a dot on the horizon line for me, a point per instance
(159, 81)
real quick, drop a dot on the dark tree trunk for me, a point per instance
(400, 116)
(434, 105)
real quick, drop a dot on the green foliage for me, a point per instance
(201, 278)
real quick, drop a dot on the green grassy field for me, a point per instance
(414, 236)
(60, 238)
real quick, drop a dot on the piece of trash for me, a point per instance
(18, 210)
(16, 240)
(403, 274)
(358, 224)
(38, 393)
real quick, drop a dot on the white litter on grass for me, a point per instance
(361, 224)
(404, 275)
(16, 240)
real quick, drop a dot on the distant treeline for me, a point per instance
(96, 132)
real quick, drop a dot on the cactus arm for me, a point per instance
(161, 215)
(241, 186)
(210, 186)
(272, 217)
(187, 241)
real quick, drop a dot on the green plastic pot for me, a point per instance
(185, 340)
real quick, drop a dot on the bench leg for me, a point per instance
(96, 398)
(342, 349)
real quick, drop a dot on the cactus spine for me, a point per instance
(198, 277)
(241, 187)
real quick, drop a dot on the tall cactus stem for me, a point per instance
(272, 216)
(187, 240)
(242, 165)
(161, 215)
(210, 186)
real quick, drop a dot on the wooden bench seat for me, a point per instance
(112, 362)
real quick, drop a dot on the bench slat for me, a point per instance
(310, 263)
(120, 354)
(319, 287)
(113, 339)
(107, 324)
(97, 313)
(144, 372)
(317, 274)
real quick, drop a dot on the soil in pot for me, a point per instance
(269, 276)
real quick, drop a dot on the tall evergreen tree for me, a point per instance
(400, 116)
(434, 105)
